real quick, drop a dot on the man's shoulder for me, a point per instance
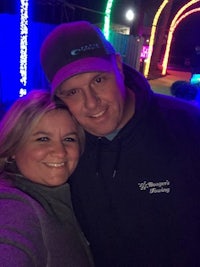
(178, 107)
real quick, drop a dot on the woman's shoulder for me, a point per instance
(15, 200)
(20, 225)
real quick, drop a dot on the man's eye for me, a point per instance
(98, 80)
(68, 93)
(72, 92)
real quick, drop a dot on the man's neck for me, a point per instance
(129, 110)
(129, 107)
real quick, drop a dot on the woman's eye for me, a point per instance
(42, 139)
(70, 139)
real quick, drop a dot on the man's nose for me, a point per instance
(91, 99)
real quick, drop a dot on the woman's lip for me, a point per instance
(54, 164)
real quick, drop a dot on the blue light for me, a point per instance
(24, 24)
(195, 79)
(9, 55)
(21, 39)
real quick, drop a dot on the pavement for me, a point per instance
(162, 84)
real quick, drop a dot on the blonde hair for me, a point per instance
(17, 124)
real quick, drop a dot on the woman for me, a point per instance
(40, 145)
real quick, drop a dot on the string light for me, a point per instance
(185, 15)
(24, 4)
(106, 29)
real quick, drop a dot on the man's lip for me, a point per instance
(99, 114)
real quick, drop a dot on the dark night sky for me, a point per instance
(55, 12)
(186, 36)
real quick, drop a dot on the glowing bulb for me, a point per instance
(130, 15)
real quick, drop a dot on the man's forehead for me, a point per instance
(86, 76)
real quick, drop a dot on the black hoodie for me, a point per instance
(137, 197)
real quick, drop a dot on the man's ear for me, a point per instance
(119, 63)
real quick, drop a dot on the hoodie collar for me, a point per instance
(143, 93)
(136, 82)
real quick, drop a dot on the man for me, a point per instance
(136, 191)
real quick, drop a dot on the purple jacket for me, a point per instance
(38, 227)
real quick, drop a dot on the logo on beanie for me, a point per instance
(78, 51)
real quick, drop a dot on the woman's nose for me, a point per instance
(59, 149)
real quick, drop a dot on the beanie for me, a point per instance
(73, 48)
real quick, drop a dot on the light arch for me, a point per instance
(171, 31)
(174, 24)
(152, 36)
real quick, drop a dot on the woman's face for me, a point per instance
(52, 151)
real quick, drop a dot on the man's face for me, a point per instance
(97, 99)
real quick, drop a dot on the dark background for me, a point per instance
(186, 36)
